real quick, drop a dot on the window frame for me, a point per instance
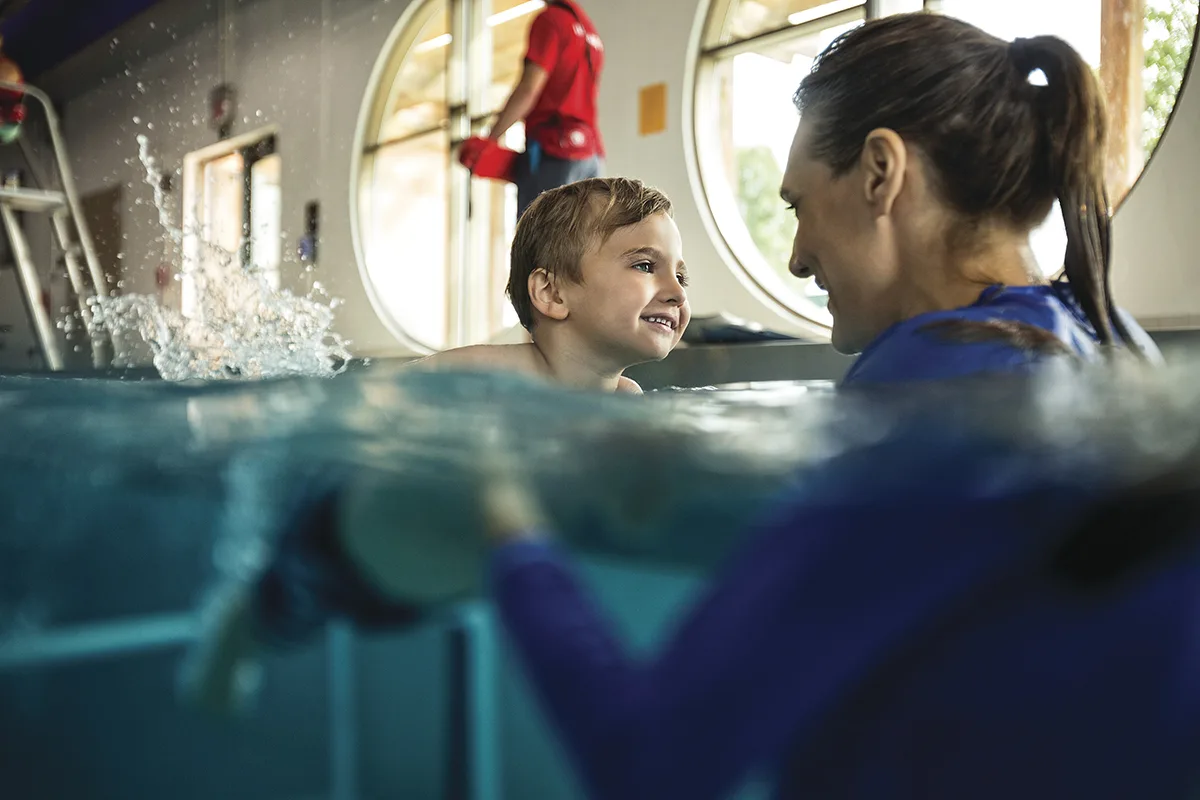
(250, 148)
(729, 233)
(472, 310)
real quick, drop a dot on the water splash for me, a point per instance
(242, 327)
(154, 179)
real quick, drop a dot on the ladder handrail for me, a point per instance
(100, 283)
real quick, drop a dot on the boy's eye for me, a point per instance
(644, 266)
(683, 279)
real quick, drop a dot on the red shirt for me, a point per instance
(566, 45)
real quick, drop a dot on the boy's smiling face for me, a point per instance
(631, 306)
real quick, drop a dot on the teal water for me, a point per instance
(123, 504)
(200, 474)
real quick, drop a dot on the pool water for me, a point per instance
(124, 504)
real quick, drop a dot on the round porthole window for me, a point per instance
(433, 244)
(755, 52)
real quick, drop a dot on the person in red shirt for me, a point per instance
(556, 97)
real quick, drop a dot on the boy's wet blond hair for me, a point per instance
(563, 223)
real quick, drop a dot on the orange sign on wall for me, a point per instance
(652, 109)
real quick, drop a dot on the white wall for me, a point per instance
(1156, 240)
(303, 66)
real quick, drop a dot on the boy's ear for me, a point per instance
(545, 296)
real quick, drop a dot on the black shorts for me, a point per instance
(551, 173)
(310, 580)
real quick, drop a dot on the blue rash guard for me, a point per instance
(913, 351)
(911, 646)
(916, 645)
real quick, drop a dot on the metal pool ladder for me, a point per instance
(65, 211)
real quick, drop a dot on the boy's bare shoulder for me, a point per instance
(519, 358)
(628, 386)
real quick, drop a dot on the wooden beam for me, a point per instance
(1122, 62)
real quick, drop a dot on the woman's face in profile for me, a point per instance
(842, 243)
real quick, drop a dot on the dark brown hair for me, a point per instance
(561, 224)
(1001, 148)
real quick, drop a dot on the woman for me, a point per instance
(916, 175)
(973, 627)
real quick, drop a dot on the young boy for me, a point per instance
(597, 278)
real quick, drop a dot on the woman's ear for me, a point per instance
(884, 161)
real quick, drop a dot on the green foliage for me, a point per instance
(772, 227)
(1170, 29)
(767, 219)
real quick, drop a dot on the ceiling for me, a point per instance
(41, 34)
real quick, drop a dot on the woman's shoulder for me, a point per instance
(1009, 329)
(1006, 330)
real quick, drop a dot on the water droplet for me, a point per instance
(137, 120)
